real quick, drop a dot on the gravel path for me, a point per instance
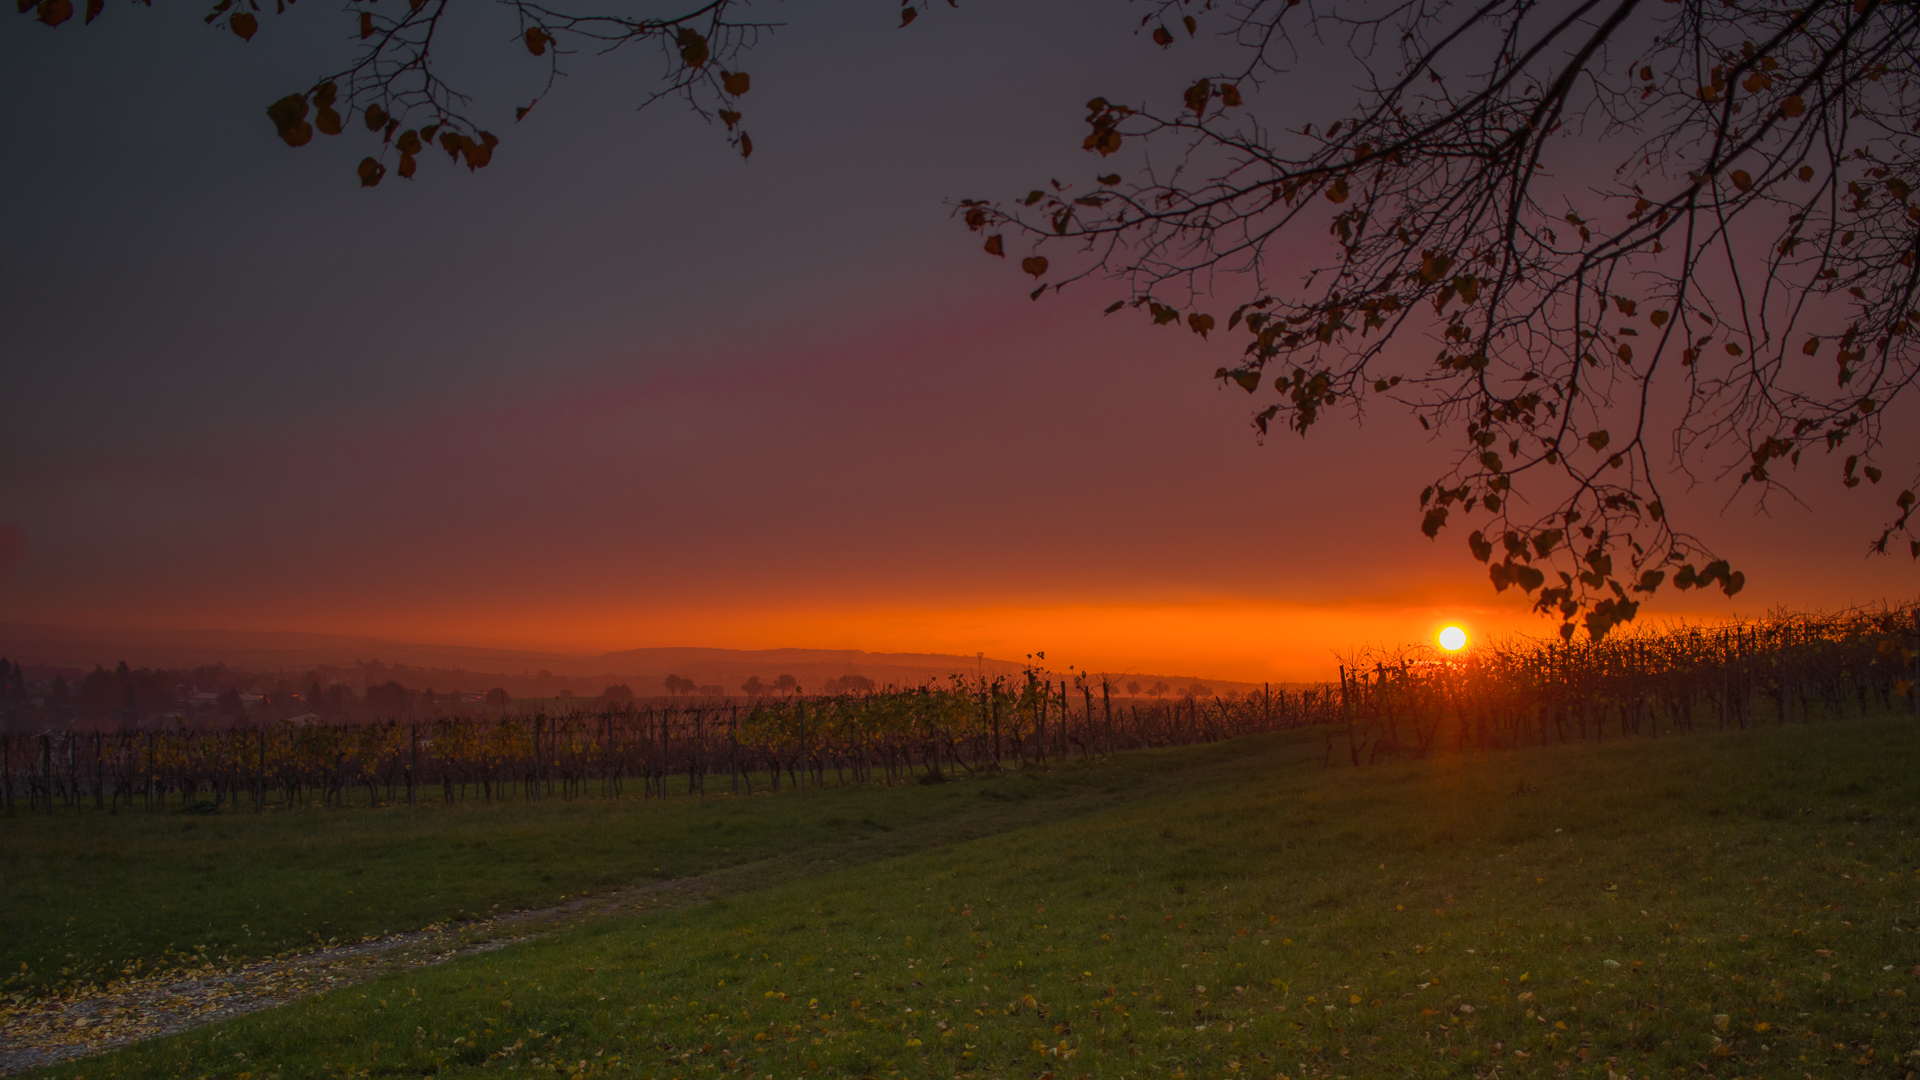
(41, 1031)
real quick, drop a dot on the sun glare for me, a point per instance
(1453, 639)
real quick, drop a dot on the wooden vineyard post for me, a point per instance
(1346, 713)
(1913, 680)
(1086, 694)
(643, 744)
(413, 763)
(260, 774)
(1066, 725)
(801, 776)
(1727, 679)
(1040, 720)
(1106, 711)
(697, 761)
(536, 757)
(993, 703)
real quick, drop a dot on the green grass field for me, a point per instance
(90, 896)
(1737, 905)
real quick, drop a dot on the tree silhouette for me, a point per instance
(390, 699)
(1593, 244)
(395, 87)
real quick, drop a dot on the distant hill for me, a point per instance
(520, 671)
(812, 667)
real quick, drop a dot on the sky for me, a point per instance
(624, 389)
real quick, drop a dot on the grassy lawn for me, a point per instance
(1737, 905)
(90, 896)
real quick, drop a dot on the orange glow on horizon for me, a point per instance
(1207, 638)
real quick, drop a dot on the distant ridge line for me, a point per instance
(643, 668)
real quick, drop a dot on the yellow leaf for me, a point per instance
(1337, 193)
(1793, 107)
(245, 25)
(1034, 264)
(55, 12)
(736, 83)
(537, 40)
(370, 172)
(907, 15)
(995, 246)
(1741, 180)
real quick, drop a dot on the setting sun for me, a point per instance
(1453, 639)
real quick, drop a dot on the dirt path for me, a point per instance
(41, 1031)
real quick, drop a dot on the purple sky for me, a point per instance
(622, 388)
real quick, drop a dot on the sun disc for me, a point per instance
(1453, 639)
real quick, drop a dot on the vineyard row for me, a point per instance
(1791, 668)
